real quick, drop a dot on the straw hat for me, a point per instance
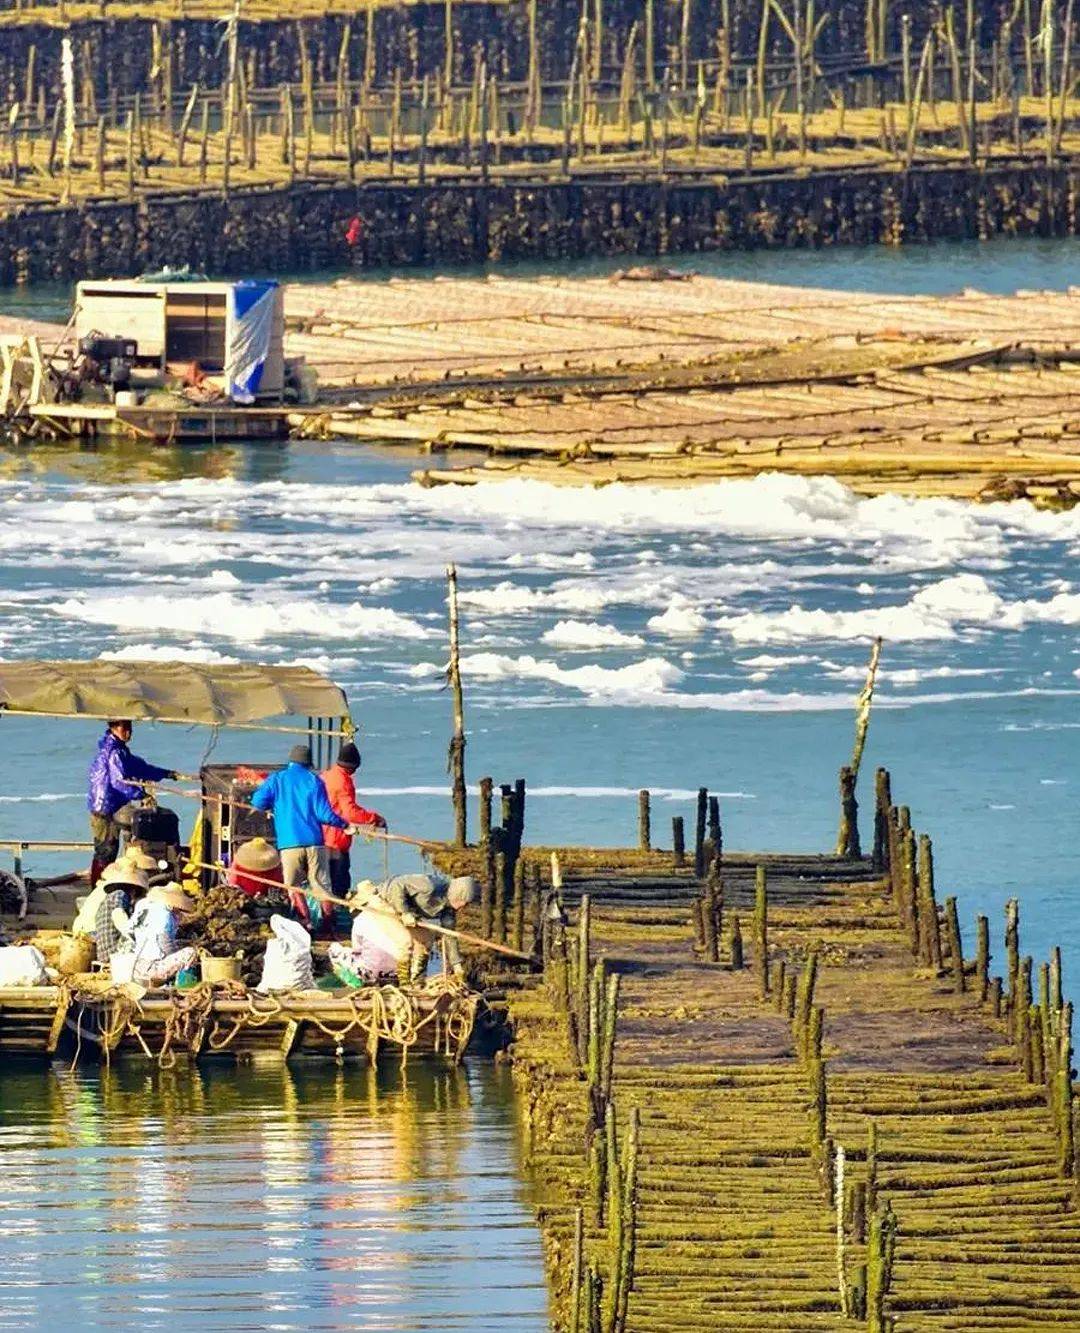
(291, 932)
(257, 855)
(124, 872)
(140, 860)
(171, 896)
(365, 890)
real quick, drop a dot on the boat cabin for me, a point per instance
(230, 333)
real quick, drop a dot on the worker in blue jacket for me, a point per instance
(300, 805)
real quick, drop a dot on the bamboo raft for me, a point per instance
(783, 1091)
(231, 1022)
(673, 378)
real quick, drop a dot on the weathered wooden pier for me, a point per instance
(785, 1091)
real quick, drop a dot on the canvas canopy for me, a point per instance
(234, 695)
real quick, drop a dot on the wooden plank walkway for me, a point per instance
(947, 1104)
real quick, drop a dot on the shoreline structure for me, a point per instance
(778, 1088)
(668, 378)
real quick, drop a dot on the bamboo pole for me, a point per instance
(457, 741)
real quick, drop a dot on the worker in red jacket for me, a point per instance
(342, 792)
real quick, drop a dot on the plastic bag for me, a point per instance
(22, 965)
(287, 962)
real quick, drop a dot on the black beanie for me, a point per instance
(300, 754)
(349, 755)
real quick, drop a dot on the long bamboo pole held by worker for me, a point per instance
(457, 740)
(464, 935)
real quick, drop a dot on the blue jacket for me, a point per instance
(297, 796)
(111, 772)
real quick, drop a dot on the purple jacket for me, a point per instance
(110, 773)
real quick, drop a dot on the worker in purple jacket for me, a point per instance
(112, 790)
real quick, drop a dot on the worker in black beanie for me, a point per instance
(341, 789)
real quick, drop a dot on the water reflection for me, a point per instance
(265, 1198)
(121, 462)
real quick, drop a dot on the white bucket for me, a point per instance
(122, 967)
(127, 398)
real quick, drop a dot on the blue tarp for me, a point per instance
(253, 326)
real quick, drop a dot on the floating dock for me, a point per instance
(786, 1092)
(233, 1022)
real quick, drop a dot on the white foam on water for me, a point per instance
(224, 615)
(588, 634)
(772, 661)
(650, 677)
(681, 619)
(157, 652)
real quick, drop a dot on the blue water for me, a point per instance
(613, 640)
(239, 1198)
(1000, 266)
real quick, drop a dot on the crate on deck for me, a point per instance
(227, 826)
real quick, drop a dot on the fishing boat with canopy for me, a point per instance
(223, 1015)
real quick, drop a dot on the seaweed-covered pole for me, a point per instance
(457, 740)
(736, 945)
(486, 786)
(582, 978)
(847, 842)
(761, 930)
(699, 831)
(881, 1249)
(644, 821)
(863, 706)
(956, 947)
(678, 842)
(982, 957)
(882, 805)
(929, 927)
(1012, 950)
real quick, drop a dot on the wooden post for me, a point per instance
(518, 913)
(185, 123)
(644, 822)
(130, 155)
(863, 706)
(498, 916)
(650, 44)
(421, 161)
(485, 809)
(457, 740)
(883, 794)
(736, 950)
(678, 842)
(982, 957)
(1012, 950)
(761, 930)
(699, 831)
(847, 841)
(956, 946)
(929, 926)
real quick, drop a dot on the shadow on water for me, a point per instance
(245, 1197)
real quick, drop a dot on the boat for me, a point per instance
(89, 1014)
(166, 358)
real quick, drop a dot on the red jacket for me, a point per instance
(342, 792)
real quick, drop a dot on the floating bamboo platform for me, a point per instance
(668, 378)
(232, 1022)
(784, 1091)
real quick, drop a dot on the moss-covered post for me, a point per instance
(486, 788)
(805, 1000)
(736, 945)
(761, 930)
(699, 831)
(982, 957)
(644, 821)
(1012, 949)
(678, 842)
(882, 805)
(847, 842)
(956, 947)
(929, 926)
(576, 1282)
(518, 914)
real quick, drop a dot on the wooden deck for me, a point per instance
(45, 1022)
(949, 1093)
